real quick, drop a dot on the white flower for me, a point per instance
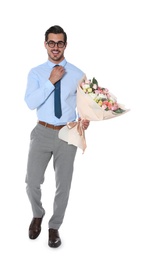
(102, 96)
(85, 86)
(92, 95)
(95, 86)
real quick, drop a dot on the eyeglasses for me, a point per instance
(52, 44)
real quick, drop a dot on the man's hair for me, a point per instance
(56, 29)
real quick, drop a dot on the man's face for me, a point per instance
(55, 51)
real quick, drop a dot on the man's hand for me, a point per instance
(56, 74)
(85, 123)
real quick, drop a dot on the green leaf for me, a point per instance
(94, 81)
(119, 111)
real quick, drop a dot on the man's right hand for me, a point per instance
(56, 74)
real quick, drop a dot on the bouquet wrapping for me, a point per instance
(93, 103)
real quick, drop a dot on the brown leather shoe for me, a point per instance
(35, 228)
(54, 239)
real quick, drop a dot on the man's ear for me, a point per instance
(65, 45)
(45, 44)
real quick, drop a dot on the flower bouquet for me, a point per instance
(93, 103)
(97, 103)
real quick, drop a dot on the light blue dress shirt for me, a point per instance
(40, 92)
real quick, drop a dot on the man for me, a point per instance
(45, 143)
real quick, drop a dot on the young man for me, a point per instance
(45, 144)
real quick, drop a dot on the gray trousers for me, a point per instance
(45, 144)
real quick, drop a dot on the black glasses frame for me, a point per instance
(60, 44)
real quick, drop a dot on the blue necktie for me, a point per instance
(57, 100)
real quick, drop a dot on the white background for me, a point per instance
(105, 215)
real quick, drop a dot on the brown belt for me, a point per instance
(55, 127)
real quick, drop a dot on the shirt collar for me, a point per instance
(62, 63)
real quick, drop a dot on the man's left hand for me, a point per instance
(85, 123)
